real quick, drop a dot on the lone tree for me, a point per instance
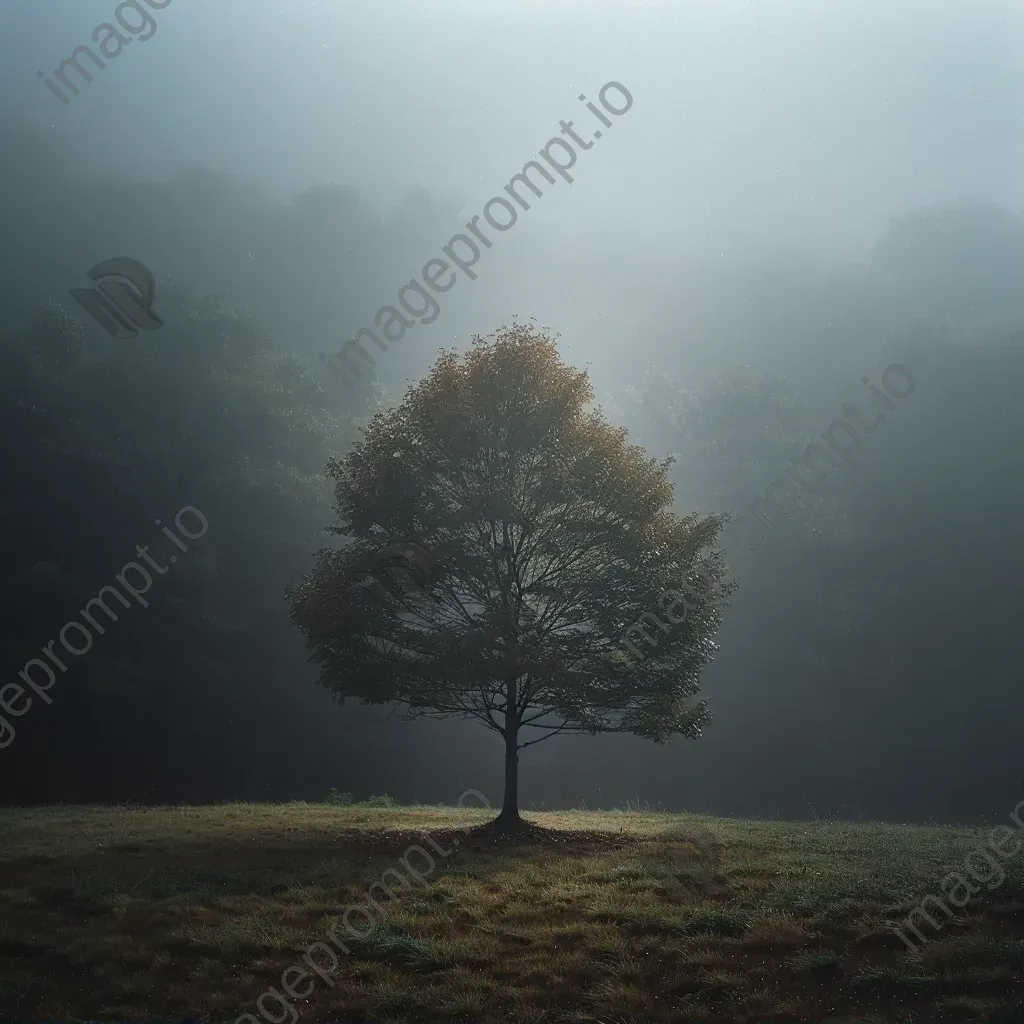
(535, 535)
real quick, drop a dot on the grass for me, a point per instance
(192, 913)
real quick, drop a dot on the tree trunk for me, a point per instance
(509, 819)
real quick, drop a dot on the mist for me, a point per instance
(795, 197)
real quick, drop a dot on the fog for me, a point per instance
(794, 197)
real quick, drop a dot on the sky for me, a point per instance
(806, 122)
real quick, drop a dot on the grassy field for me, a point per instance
(194, 912)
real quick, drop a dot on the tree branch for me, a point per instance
(530, 743)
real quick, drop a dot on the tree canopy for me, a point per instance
(549, 534)
(101, 438)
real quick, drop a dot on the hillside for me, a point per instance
(196, 912)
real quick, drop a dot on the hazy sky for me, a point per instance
(799, 122)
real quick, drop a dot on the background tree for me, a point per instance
(551, 534)
(100, 438)
(959, 262)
